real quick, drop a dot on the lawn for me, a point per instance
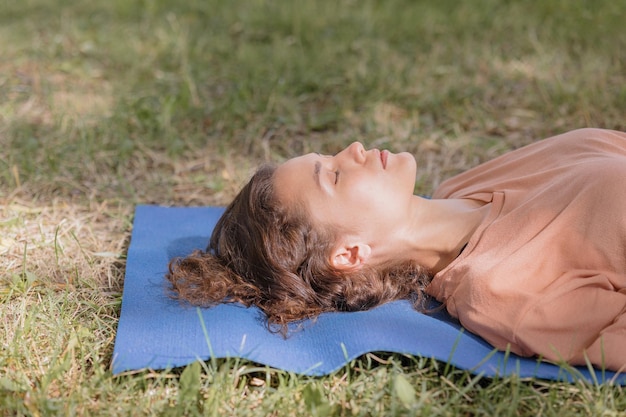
(109, 104)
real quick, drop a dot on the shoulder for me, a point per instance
(534, 164)
(588, 139)
(593, 133)
(568, 146)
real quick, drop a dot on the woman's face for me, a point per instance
(356, 191)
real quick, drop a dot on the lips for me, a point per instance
(383, 158)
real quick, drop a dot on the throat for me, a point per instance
(459, 220)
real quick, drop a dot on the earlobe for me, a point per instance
(347, 257)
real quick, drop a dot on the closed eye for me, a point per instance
(336, 176)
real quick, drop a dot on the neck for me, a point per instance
(440, 229)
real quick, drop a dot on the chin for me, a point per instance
(411, 164)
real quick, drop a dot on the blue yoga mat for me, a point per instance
(157, 332)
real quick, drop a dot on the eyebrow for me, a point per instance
(316, 172)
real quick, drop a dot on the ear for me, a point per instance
(352, 256)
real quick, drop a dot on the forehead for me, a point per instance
(295, 175)
(299, 166)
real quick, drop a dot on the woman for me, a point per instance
(527, 250)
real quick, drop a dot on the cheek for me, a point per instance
(364, 194)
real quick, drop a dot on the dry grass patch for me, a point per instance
(61, 240)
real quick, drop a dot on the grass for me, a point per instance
(104, 105)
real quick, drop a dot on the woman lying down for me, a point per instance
(527, 250)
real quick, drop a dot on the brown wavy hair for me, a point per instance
(264, 254)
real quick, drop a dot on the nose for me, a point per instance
(356, 150)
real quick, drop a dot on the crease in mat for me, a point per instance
(157, 332)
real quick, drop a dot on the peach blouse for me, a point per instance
(545, 273)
